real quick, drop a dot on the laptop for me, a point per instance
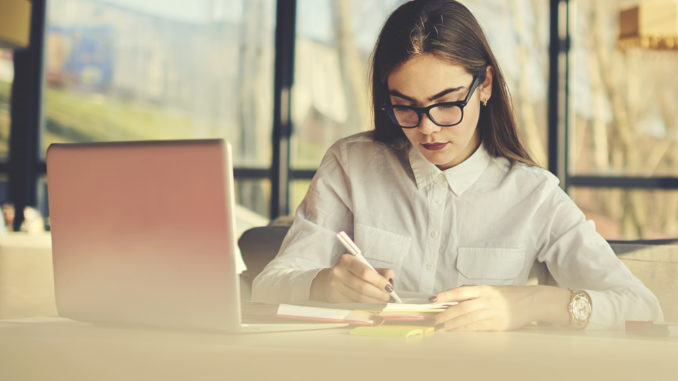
(143, 233)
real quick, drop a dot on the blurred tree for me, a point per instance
(527, 104)
(353, 67)
(254, 109)
(632, 123)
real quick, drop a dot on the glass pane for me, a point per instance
(6, 78)
(330, 98)
(298, 190)
(630, 214)
(625, 119)
(518, 33)
(335, 38)
(254, 194)
(4, 188)
(43, 203)
(7, 208)
(124, 69)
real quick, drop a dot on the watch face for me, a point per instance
(581, 308)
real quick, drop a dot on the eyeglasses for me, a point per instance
(444, 114)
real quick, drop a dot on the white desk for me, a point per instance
(56, 349)
(26, 275)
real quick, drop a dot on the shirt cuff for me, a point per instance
(283, 286)
(301, 289)
(611, 309)
(602, 312)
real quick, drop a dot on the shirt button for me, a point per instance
(429, 267)
(433, 234)
(436, 202)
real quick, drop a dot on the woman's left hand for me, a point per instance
(496, 308)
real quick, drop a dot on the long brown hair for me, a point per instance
(447, 29)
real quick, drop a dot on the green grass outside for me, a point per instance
(80, 117)
(77, 117)
(74, 117)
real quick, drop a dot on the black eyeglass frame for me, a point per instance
(388, 109)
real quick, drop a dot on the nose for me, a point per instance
(426, 126)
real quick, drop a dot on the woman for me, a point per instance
(444, 200)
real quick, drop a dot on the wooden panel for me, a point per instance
(14, 23)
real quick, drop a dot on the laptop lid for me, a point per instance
(143, 232)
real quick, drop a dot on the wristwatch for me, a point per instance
(579, 308)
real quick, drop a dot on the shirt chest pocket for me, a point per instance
(490, 266)
(383, 249)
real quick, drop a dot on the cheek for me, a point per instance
(410, 134)
(470, 122)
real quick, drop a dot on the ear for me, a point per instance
(486, 86)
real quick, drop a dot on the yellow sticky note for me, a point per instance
(397, 331)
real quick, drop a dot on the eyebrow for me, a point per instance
(441, 94)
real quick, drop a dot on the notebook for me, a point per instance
(143, 233)
(363, 313)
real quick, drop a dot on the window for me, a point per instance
(123, 69)
(625, 124)
(518, 32)
(629, 214)
(129, 70)
(330, 98)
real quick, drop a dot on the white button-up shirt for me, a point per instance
(484, 221)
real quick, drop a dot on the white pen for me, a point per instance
(354, 250)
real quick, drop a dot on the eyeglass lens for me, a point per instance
(440, 114)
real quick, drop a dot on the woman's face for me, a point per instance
(426, 79)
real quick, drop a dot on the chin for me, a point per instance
(441, 161)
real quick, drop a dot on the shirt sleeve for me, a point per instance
(580, 258)
(311, 244)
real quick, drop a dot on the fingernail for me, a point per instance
(390, 280)
(433, 299)
(388, 288)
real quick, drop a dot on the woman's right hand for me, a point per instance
(350, 280)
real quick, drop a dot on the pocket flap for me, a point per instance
(490, 263)
(381, 247)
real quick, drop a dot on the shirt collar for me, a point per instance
(459, 178)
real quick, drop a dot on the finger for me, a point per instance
(343, 289)
(361, 289)
(337, 288)
(461, 309)
(388, 274)
(326, 286)
(363, 271)
(368, 292)
(351, 295)
(468, 321)
(458, 294)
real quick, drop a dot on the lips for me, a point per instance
(434, 146)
